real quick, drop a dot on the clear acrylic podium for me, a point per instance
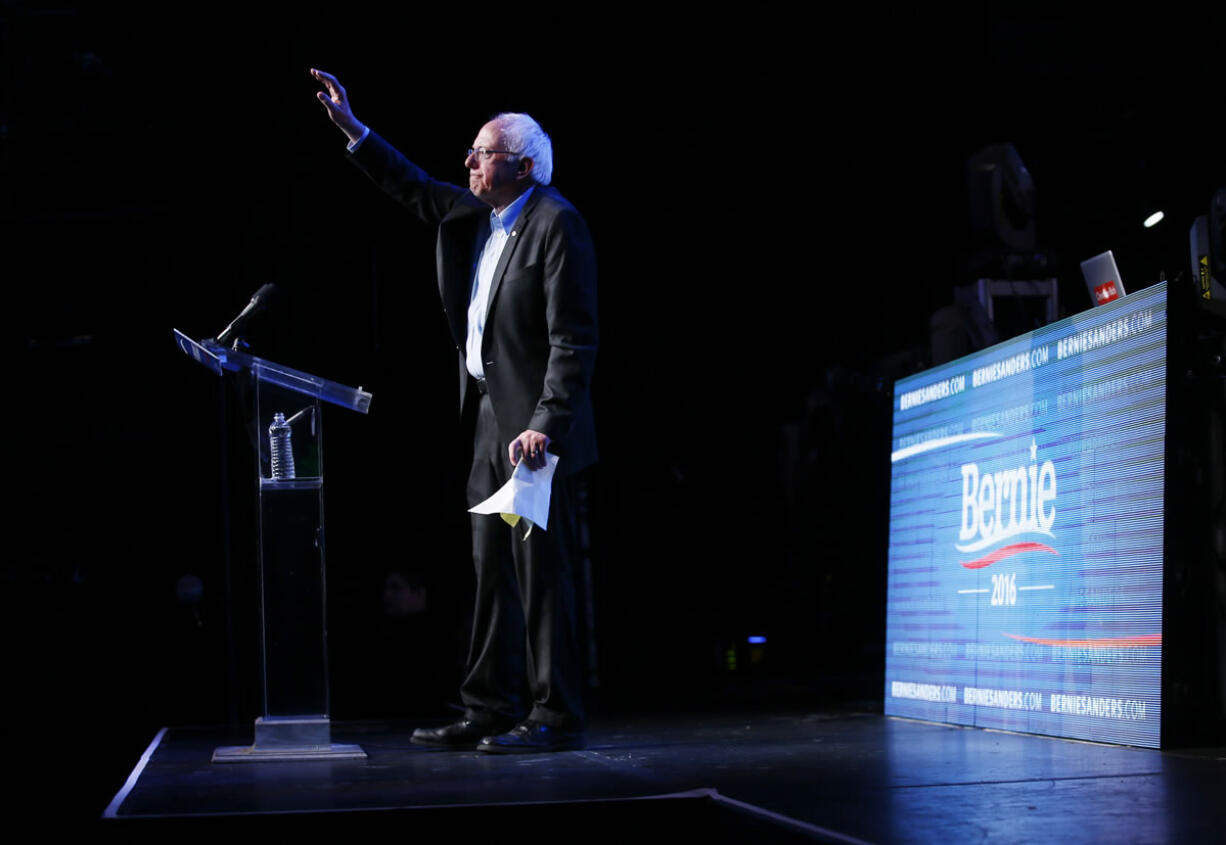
(293, 617)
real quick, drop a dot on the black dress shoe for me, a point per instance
(531, 737)
(465, 733)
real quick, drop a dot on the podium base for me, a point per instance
(255, 754)
(283, 738)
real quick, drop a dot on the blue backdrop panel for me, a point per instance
(1026, 520)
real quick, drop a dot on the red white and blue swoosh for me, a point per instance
(1137, 641)
(1007, 552)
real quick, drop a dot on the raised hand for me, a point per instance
(336, 102)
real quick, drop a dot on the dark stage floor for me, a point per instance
(829, 777)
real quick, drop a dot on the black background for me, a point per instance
(778, 206)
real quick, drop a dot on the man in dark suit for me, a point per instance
(517, 274)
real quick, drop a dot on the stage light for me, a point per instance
(1153, 219)
(1002, 196)
(756, 640)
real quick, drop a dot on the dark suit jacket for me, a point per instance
(539, 345)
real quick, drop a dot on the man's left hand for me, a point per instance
(530, 447)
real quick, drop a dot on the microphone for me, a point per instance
(258, 303)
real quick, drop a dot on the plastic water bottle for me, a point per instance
(282, 447)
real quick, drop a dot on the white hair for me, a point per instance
(525, 136)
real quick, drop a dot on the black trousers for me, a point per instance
(524, 656)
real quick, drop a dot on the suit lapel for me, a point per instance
(517, 234)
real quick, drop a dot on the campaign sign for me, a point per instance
(1026, 531)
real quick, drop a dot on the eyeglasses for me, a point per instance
(484, 153)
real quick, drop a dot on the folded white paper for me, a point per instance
(524, 496)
